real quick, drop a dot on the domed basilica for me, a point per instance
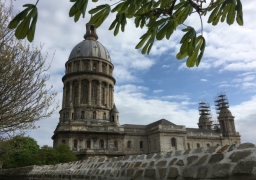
(89, 119)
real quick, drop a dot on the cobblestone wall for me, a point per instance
(222, 162)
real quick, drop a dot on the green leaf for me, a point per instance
(225, 12)
(231, 14)
(143, 22)
(180, 56)
(13, 24)
(22, 29)
(143, 40)
(213, 14)
(102, 13)
(162, 32)
(31, 31)
(123, 21)
(202, 51)
(157, 23)
(150, 45)
(239, 11)
(77, 16)
(78, 8)
(112, 25)
(116, 29)
(118, 7)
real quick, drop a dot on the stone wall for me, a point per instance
(222, 162)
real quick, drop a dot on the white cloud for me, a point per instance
(176, 97)
(158, 91)
(165, 66)
(245, 119)
(204, 80)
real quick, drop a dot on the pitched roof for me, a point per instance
(162, 122)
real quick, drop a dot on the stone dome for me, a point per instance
(90, 47)
(225, 112)
(204, 118)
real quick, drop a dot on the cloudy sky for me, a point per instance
(155, 86)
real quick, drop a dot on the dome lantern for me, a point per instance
(90, 47)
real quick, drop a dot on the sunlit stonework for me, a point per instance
(89, 119)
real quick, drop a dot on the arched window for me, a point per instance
(94, 115)
(101, 144)
(103, 96)
(94, 68)
(208, 145)
(64, 118)
(67, 95)
(110, 70)
(173, 142)
(103, 67)
(198, 145)
(115, 145)
(230, 126)
(82, 115)
(94, 95)
(88, 144)
(85, 94)
(86, 66)
(63, 141)
(188, 146)
(141, 144)
(112, 118)
(69, 68)
(67, 116)
(73, 116)
(104, 116)
(128, 144)
(75, 145)
(77, 66)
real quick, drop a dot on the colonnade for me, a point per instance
(89, 65)
(90, 92)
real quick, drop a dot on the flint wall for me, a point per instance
(222, 162)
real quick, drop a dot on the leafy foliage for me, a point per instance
(24, 97)
(23, 24)
(65, 154)
(24, 151)
(19, 151)
(162, 18)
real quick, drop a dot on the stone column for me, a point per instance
(99, 95)
(64, 96)
(107, 95)
(70, 92)
(79, 91)
(112, 98)
(90, 93)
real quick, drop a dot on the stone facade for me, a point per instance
(89, 119)
(229, 162)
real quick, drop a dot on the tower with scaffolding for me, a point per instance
(225, 117)
(205, 119)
